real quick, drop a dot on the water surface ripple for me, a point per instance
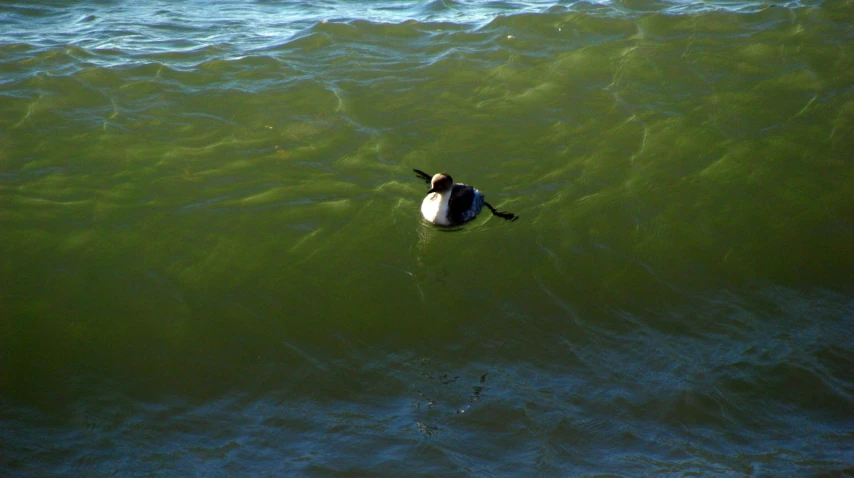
(212, 260)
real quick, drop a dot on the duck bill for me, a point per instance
(431, 191)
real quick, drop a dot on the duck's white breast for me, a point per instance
(434, 208)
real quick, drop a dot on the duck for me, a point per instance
(450, 204)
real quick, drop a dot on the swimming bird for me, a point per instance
(451, 204)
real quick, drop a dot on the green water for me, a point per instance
(212, 259)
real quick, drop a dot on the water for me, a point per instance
(212, 260)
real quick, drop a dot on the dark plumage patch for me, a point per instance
(460, 204)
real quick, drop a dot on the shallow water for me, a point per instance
(212, 259)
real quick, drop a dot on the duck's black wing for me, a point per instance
(508, 216)
(422, 175)
(463, 204)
